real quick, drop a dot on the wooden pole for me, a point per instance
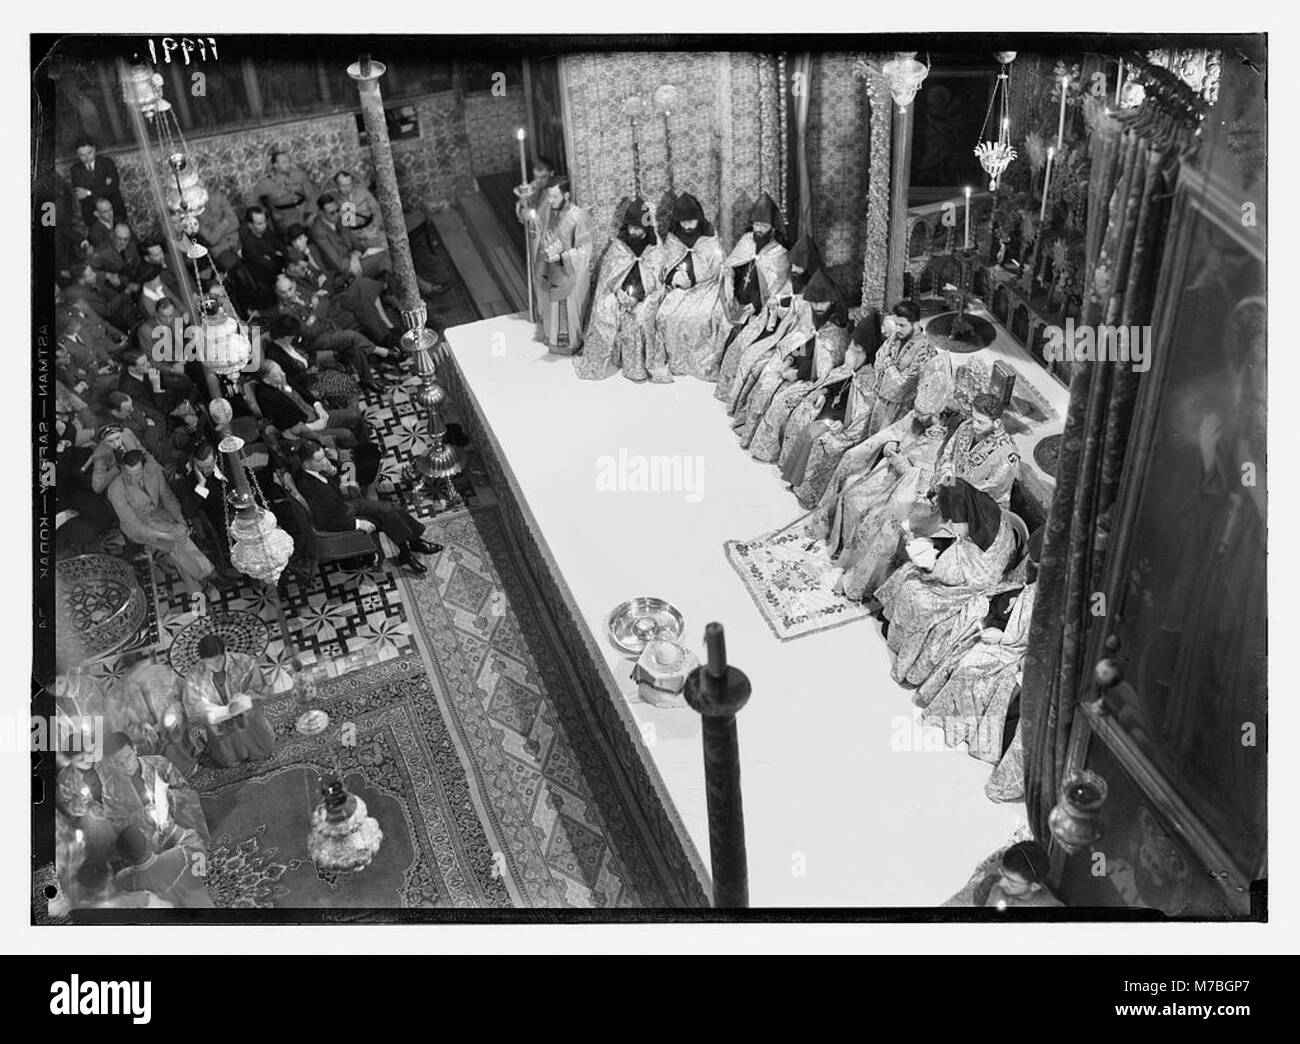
(718, 692)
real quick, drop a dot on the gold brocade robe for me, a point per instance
(739, 323)
(620, 331)
(686, 321)
(561, 273)
(930, 612)
(990, 465)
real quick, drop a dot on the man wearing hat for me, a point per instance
(222, 691)
(621, 329)
(754, 276)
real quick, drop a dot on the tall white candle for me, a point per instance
(967, 217)
(1060, 127)
(1119, 82)
(1047, 181)
(523, 161)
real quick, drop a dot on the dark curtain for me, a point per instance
(1131, 183)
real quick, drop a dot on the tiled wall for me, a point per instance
(491, 123)
(724, 133)
(457, 143)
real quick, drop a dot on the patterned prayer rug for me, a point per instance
(553, 795)
(388, 742)
(789, 577)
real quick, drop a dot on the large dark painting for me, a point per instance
(946, 125)
(1193, 612)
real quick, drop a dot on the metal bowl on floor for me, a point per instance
(636, 623)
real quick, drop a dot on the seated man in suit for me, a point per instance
(263, 253)
(152, 435)
(99, 230)
(201, 485)
(155, 391)
(331, 511)
(86, 290)
(118, 261)
(309, 319)
(353, 302)
(296, 411)
(337, 250)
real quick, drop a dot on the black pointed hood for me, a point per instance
(805, 256)
(687, 208)
(766, 210)
(821, 288)
(638, 213)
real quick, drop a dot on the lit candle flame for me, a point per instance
(520, 134)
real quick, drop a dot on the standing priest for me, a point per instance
(621, 329)
(561, 267)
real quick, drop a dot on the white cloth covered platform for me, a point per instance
(848, 801)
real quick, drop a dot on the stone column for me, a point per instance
(899, 183)
(440, 462)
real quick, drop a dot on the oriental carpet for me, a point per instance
(442, 693)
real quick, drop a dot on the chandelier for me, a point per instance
(904, 74)
(996, 156)
(259, 548)
(183, 191)
(227, 349)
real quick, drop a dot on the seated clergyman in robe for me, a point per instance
(785, 323)
(561, 266)
(620, 332)
(905, 354)
(823, 427)
(868, 512)
(982, 453)
(799, 365)
(223, 690)
(805, 262)
(754, 275)
(932, 602)
(685, 322)
(970, 695)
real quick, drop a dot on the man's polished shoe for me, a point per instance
(424, 547)
(407, 559)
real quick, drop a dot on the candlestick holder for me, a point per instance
(439, 464)
(718, 692)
